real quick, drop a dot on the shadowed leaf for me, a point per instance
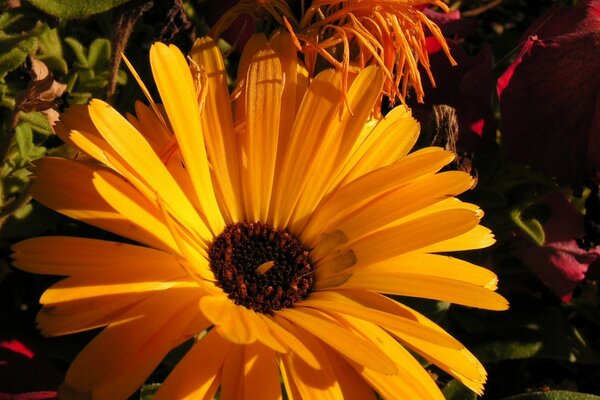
(76, 9)
(553, 395)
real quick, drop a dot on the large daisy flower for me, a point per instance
(267, 235)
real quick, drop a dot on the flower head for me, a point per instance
(351, 35)
(268, 236)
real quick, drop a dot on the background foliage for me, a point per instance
(56, 53)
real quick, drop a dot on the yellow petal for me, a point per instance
(85, 314)
(141, 158)
(127, 201)
(416, 234)
(287, 378)
(479, 237)
(390, 140)
(197, 375)
(233, 322)
(339, 136)
(329, 330)
(289, 334)
(348, 198)
(394, 205)
(449, 203)
(264, 87)
(433, 265)
(459, 362)
(95, 147)
(232, 376)
(342, 302)
(77, 129)
(128, 374)
(136, 335)
(410, 382)
(88, 286)
(320, 104)
(295, 86)
(151, 126)
(63, 255)
(159, 136)
(178, 93)
(155, 107)
(217, 124)
(266, 336)
(261, 376)
(426, 286)
(67, 187)
(255, 44)
(352, 385)
(304, 382)
(192, 252)
(76, 116)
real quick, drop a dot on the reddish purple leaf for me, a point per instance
(45, 395)
(240, 30)
(25, 372)
(467, 87)
(561, 264)
(549, 96)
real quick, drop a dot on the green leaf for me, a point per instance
(99, 54)
(37, 121)
(71, 80)
(30, 220)
(94, 84)
(91, 72)
(16, 56)
(532, 333)
(13, 180)
(25, 143)
(531, 226)
(122, 77)
(78, 50)
(80, 97)
(18, 20)
(149, 391)
(75, 8)
(51, 51)
(3, 91)
(454, 390)
(587, 303)
(553, 395)
(22, 33)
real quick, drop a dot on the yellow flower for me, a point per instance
(269, 235)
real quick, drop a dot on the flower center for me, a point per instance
(261, 268)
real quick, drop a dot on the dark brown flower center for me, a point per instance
(261, 268)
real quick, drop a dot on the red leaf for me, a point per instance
(549, 95)
(560, 263)
(25, 371)
(466, 87)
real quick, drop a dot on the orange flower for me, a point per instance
(352, 34)
(267, 237)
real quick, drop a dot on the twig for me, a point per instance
(476, 11)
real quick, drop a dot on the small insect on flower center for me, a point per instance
(260, 267)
